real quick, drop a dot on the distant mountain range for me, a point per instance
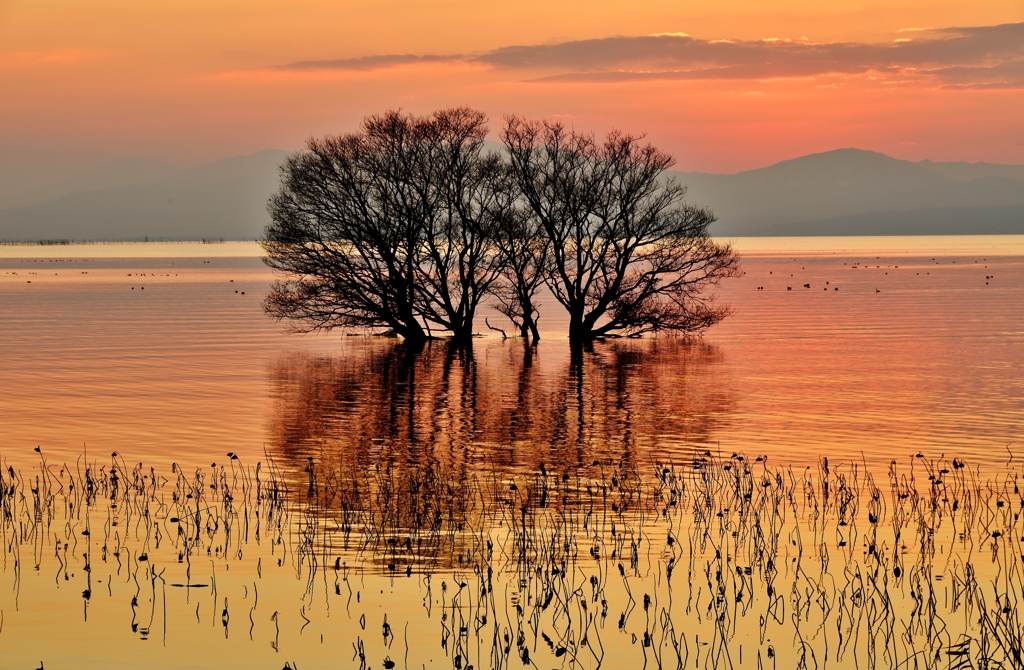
(855, 192)
(136, 199)
(842, 192)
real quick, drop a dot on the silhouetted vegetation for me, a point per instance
(627, 253)
(408, 224)
(389, 227)
(710, 562)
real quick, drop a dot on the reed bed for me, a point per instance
(714, 562)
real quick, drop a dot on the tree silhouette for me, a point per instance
(524, 252)
(388, 227)
(628, 254)
(409, 224)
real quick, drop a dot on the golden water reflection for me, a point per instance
(502, 405)
(210, 493)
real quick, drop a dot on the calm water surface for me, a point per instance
(333, 501)
(166, 358)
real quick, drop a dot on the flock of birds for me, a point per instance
(858, 265)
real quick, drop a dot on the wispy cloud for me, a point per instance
(369, 62)
(975, 57)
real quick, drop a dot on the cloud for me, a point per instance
(1008, 74)
(990, 55)
(972, 57)
(367, 63)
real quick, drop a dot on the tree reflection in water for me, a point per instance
(469, 511)
(504, 406)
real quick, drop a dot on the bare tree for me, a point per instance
(387, 228)
(460, 191)
(628, 254)
(410, 223)
(524, 253)
(341, 234)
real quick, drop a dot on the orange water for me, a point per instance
(163, 357)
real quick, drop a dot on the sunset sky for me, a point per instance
(723, 86)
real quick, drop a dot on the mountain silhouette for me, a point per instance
(841, 192)
(856, 192)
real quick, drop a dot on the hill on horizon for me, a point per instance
(840, 192)
(226, 199)
(858, 192)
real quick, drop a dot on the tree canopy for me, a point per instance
(411, 224)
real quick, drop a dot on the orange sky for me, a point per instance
(90, 82)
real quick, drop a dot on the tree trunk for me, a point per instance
(529, 325)
(462, 334)
(412, 334)
(580, 331)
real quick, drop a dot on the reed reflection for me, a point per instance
(499, 405)
(672, 566)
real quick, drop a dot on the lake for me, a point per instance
(453, 508)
